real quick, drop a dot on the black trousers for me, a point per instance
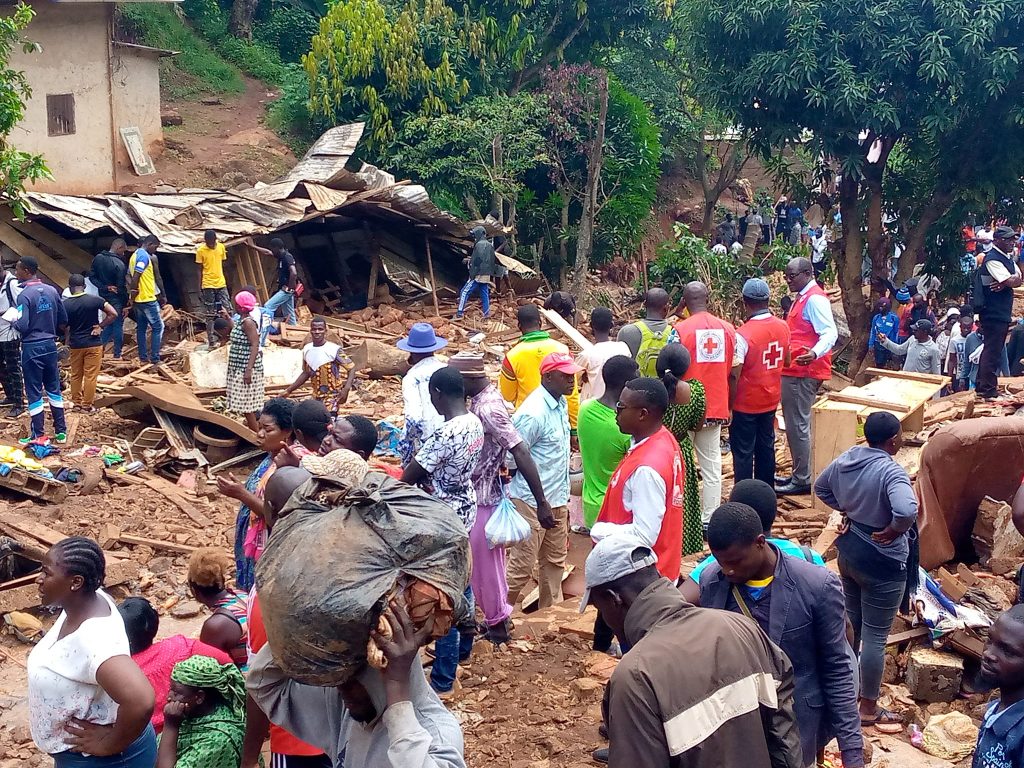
(752, 441)
(994, 332)
(603, 636)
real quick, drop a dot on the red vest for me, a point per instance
(759, 388)
(802, 338)
(660, 452)
(711, 343)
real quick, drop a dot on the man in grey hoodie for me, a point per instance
(483, 267)
(877, 540)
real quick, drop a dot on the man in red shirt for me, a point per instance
(812, 330)
(712, 344)
(762, 349)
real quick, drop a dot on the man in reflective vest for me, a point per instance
(813, 333)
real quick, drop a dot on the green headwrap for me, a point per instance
(204, 672)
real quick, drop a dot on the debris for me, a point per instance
(951, 585)
(994, 534)
(952, 736)
(934, 675)
(33, 485)
(187, 610)
(577, 338)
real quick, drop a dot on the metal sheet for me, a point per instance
(324, 198)
(328, 154)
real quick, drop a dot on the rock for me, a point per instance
(20, 734)
(994, 534)
(161, 565)
(1001, 566)
(933, 675)
(600, 665)
(212, 101)
(186, 610)
(586, 689)
(169, 118)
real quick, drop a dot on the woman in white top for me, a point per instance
(89, 704)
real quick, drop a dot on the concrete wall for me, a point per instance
(136, 88)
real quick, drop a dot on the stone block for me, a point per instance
(934, 676)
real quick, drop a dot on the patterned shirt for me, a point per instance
(499, 437)
(1001, 739)
(329, 368)
(421, 419)
(450, 456)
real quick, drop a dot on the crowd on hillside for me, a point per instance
(782, 654)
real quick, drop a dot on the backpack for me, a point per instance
(651, 344)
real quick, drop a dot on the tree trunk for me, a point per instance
(242, 12)
(732, 164)
(585, 241)
(848, 272)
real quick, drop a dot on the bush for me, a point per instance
(288, 30)
(290, 116)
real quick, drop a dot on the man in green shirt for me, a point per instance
(602, 445)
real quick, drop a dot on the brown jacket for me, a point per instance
(699, 689)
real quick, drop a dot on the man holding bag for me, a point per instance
(490, 587)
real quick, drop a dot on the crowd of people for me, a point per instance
(782, 654)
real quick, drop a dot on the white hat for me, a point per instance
(984, 235)
(952, 312)
(611, 559)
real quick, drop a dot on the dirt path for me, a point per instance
(222, 141)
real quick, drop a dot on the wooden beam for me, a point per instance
(871, 402)
(910, 634)
(433, 283)
(22, 246)
(82, 259)
(924, 378)
(142, 541)
(577, 338)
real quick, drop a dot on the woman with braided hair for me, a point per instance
(204, 718)
(89, 704)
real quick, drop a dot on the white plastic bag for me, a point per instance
(506, 526)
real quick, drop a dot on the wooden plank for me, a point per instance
(884, 405)
(169, 492)
(829, 534)
(16, 526)
(832, 432)
(951, 585)
(577, 338)
(79, 257)
(19, 582)
(534, 596)
(259, 273)
(21, 245)
(142, 541)
(22, 598)
(242, 458)
(910, 634)
(924, 378)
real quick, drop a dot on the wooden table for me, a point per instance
(837, 421)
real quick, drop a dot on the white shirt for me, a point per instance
(644, 496)
(593, 361)
(62, 677)
(951, 345)
(998, 272)
(818, 312)
(315, 356)
(8, 285)
(421, 419)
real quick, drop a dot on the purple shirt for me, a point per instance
(499, 437)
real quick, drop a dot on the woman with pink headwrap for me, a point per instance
(245, 363)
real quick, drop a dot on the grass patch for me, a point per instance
(197, 69)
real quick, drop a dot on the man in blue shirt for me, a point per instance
(41, 319)
(543, 422)
(1001, 739)
(887, 323)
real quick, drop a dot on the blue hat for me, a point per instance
(902, 295)
(421, 339)
(756, 289)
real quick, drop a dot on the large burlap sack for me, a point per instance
(334, 558)
(951, 736)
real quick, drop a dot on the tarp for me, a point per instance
(961, 464)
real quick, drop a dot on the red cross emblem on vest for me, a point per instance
(772, 355)
(710, 346)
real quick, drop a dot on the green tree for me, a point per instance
(853, 81)
(17, 168)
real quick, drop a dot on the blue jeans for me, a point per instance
(467, 291)
(871, 604)
(141, 753)
(42, 374)
(114, 332)
(147, 314)
(449, 650)
(282, 299)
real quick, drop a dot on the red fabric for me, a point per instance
(660, 452)
(803, 337)
(157, 661)
(759, 388)
(281, 742)
(393, 470)
(712, 344)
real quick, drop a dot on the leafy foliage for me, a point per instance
(16, 167)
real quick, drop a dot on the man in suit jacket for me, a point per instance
(800, 607)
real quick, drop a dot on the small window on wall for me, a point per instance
(60, 114)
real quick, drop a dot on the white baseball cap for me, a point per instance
(611, 559)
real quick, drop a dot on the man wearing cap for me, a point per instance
(729, 704)
(812, 332)
(993, 299)
(762, 349)
(921, 351)
(421, 418)
(543, 423)
(711, 343)
(490, 585)
(520, 370)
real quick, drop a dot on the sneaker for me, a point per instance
(601, 755)
(16, 411)
(60, 438)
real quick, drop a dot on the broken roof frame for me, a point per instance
(319, 185)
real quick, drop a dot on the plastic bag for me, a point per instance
(506, 526)
(337, 554)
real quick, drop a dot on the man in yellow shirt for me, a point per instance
(213, 288)
(520, 370)
(143, 289)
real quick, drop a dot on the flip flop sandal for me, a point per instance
(885, 721)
